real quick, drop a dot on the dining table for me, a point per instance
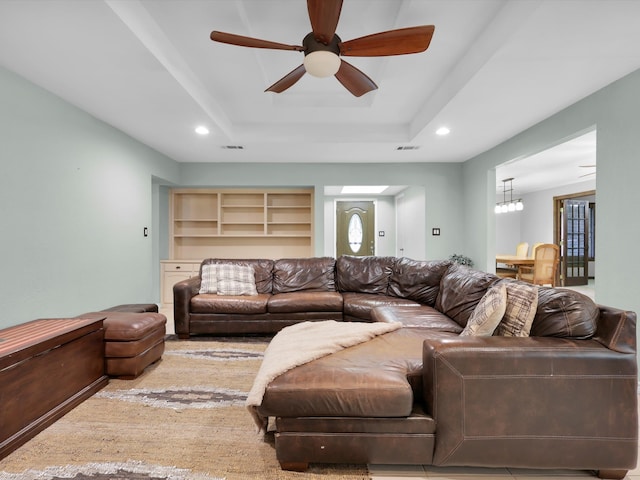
(514, 260)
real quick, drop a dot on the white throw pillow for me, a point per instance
(209, 279)
(488, 313)
(236, 280)
(522, 303)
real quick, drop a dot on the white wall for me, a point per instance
(75, 195)
(411, 228)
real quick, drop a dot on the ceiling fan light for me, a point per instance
(322, 63)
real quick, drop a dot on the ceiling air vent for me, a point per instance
(408, 147)
(233, 147)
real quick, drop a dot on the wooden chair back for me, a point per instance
(522, 249)
(545, 266)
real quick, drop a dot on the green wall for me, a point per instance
(75, 195)
(615, 112)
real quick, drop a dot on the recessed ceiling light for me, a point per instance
(443, 131)
(202, 130)
(364, 189)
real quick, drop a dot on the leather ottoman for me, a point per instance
(133, 308)
(132, 341)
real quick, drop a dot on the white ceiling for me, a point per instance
(570, 162)
(148, 67)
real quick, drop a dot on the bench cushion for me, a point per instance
(305, 301)
(243, 304)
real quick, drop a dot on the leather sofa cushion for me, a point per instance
(297, 274)
(417, 316)
(417, 280)
(461, 289)
(366, 380)
(133, 308)
(359, 305)
(364, 274)
(305, 301)
(128, 326)
(262, 269)
(213, 303)
(564, 313)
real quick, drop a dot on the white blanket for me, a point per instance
(302, 343)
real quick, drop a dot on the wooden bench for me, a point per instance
(47, 368)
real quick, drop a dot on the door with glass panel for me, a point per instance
(575, 235)
(355, 228)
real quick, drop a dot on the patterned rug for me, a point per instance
(183, 419)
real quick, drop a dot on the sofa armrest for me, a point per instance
(536, 402)
(182, 293)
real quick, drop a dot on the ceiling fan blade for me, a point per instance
(287, 81)
(243, 41)
(324, 16)
(354, 80)
(394, 42)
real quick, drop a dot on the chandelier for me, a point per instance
(508, 205)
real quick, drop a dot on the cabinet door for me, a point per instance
(169, 280)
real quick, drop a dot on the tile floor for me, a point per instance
(394, 472)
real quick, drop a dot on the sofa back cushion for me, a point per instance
(564, 313)
(262, 268)
(417, 280)
(364, 274)
(461, 289)
(297, 274)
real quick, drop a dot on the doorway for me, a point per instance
(574, 232)
(355, 225)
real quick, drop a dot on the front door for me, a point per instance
(355, 228)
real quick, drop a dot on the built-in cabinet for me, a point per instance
(244, 223)
(235, 223)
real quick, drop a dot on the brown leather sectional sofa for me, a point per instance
(563, 397)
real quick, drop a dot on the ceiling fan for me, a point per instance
(322, 48)
(590, 173)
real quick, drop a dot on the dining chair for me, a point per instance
(522, 249)
(533, 249)
(545, 266)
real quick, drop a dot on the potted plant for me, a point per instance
(461, 259)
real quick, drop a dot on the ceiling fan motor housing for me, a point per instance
(311, 45)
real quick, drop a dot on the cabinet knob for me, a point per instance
(177, 267)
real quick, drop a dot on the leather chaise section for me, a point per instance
(378, 378)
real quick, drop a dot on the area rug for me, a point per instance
(184, 418)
